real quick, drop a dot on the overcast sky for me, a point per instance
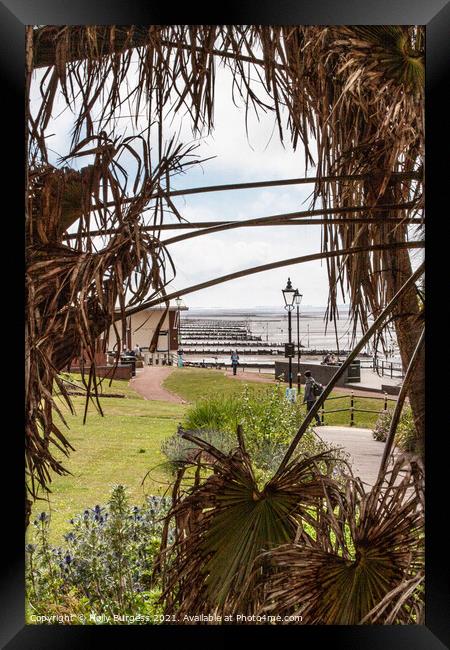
(259, 157)
(239, 159)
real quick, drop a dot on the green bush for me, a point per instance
(213, 414)
(381, 428)
(405, 436)
(269, 422)
(103, 573)
(177, 449)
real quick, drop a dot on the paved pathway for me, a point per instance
(148, 383)
(365, 452)
(374, 382)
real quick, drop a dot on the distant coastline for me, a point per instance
(307, 311)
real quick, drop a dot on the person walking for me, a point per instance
(312, 391)
(234, 361)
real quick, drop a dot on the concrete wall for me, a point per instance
(121, 372)
(389, 389)
(143, 335)
(322, 374)
(143, 325)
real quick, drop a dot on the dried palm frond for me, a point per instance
(77, 293)
(372, 572)
(223, 523)
(357, 91)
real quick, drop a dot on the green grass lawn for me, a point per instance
(124, 445)
(120, 447)
(193, 384)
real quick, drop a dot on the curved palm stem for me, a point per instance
(288, 221)
(272, 265)
(273, 219)
(401, 176)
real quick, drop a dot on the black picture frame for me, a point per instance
(435, 14)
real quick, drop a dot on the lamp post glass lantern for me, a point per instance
(289, 298)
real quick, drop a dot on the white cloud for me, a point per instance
(238, 160)
(261, 155)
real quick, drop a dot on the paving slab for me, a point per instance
(365, 452)
(371, 381)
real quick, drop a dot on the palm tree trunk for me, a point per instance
(399, 406)
(407, 313)
(407, 316)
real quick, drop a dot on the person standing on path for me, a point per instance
(234, 361)
(311, 393)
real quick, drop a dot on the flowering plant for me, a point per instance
(105, 566)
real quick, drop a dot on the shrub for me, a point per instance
(381, 429)
(177, 449)
(105, 566)
(405, 436)
(213, 414)
(269, 423)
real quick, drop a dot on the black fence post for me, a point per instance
(352, 413)
(385, 401)
(391, 369)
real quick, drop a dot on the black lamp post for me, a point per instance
(298, 299)
(289, 296)
(179, 303)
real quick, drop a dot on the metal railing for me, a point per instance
(220, 365)
(352, 408)
(383, 367)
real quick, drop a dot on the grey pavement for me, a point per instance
(370, 380)
(365, 452)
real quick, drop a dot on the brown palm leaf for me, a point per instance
(224, 523)
(77, 293)
(372, 572)
(357, 91)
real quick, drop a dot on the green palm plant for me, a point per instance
(367, 568)
(226, 521)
